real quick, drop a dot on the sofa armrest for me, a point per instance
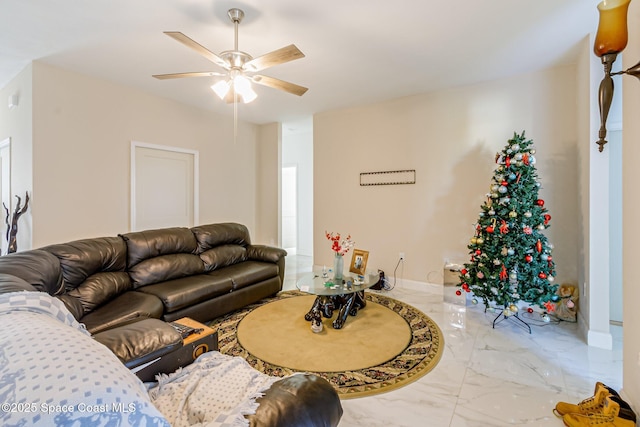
(140, 342)
(265, 253)
(299, 400)
(268, 254)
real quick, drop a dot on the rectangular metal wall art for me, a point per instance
(407, 176)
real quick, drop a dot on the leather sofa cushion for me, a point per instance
(298, 400)
(165, 267)
(83, 258)
(100, 288)
(73, 305)
(223, 256)
(212, 235)
(249, 272)
(142, 245)
(10, 283)
(140, 342)
(39, 268)
(126, 308)
(187, 291)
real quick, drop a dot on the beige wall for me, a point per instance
(631, 209)
(268, 184)
(450, 138)
(17, 125)
(82, 133)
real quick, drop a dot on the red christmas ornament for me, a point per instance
(504, 228)
(478, 252)
(503, 273)
(551, 307)
(464, 271)
(525, 159)
(547, 218)
(467, 290)
(540, 202)
(465, 286)
(507, 162)
(539, 246)
(542, 275)
(458, 292)
(490, 229)
(504, 183)
(529, 310)
(528, 258)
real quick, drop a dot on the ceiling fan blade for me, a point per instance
(279, 84)
(176, 35)
(280, 56)
(192, 74)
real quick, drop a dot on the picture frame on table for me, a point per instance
(359, 261)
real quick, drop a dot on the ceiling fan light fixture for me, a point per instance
(221, 88)
(242, 86)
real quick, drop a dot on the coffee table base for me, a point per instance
(348, 304)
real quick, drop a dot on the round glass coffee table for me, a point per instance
(345, 296)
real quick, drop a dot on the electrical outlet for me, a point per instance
(401, 256)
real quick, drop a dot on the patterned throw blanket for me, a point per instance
(215, 390)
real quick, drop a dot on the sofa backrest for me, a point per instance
(10, 283)
(158, 255)
(39, 268)
(93, 271)
(220, 245)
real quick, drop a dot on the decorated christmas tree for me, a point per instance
(511, 258)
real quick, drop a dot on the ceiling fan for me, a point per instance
(240, 66)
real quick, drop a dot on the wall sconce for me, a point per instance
(611, 39)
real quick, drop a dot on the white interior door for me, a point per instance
(164, 187)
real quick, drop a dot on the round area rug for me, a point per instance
(415, 359)
(358, 345)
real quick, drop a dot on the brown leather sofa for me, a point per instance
(125, 288)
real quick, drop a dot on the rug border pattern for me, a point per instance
(420, 356)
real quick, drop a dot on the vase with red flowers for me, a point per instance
(339, 246)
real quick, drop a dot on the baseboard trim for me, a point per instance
(600, 339)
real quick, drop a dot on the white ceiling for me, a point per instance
(357, 51)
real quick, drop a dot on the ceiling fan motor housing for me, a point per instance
(235, 15)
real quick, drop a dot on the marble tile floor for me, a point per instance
(486, 377)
